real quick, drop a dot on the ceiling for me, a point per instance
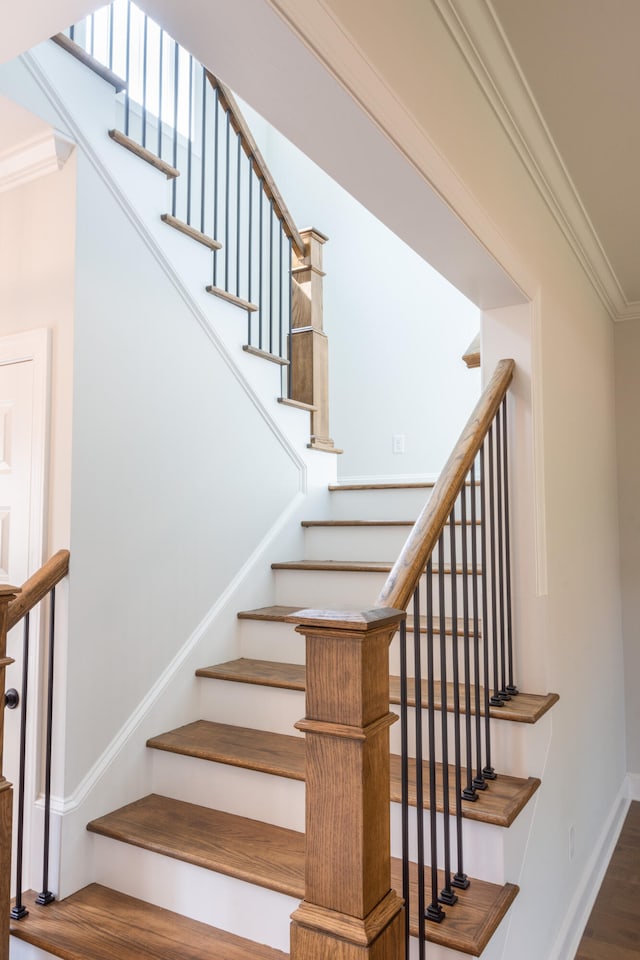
(576, 108)
(581, 61)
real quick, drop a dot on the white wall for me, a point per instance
(397, 329)
(627, 347)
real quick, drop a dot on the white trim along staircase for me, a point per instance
(211, 863)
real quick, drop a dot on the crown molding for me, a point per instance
(33, 158)
(477, 32)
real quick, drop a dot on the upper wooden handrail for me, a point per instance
(411, 563)
(229, 104)
(38, 586)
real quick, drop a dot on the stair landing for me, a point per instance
(101, 924)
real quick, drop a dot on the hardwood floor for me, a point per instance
(613, 929)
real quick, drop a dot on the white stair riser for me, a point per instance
(372, 543)
(483, 843)
(221, 786)
(351, 590)
(402, 504)
(19, 950)
(251, 705)
(271, 640)
(225, 902)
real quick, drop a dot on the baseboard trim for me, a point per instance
(568, 939)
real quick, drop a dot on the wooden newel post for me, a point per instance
(309, 350)
(349, 911)
(7, 594)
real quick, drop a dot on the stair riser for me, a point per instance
(280, 801)
(339, 590)
(384, 504)
(247, 793)
(270, 640)
(234, 905)
(19, 950)
(370, 543)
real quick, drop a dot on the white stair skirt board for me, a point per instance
(242, 908)
(246, 793)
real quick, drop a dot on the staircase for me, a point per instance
(220, 840)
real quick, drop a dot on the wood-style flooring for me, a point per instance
(613, 929)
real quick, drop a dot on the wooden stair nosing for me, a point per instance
(297, 404)
(280, 613)
(103, 924)
(190, 231)
(409, 485)
(284, 756)
(170, 172)
(85, 57)
(273, 857)
(231, 298)
(372, 523)
(265, 355)
(523, 708)
(357, 566)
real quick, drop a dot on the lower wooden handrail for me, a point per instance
(38, 586)
(410, 565)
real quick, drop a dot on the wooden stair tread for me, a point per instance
(412, 485)
(97, 923)
(273, 857)
(237, 301)
(282, 614)
(276, 753)
(250, 850)
(85, 57)
(190, 231)
(525, 708)
(353, 566)
(147, 155)
(265, 355)
(371, 523)
(284, 756)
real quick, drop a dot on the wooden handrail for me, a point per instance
(229, 104)
(411, 563)
(38, 586)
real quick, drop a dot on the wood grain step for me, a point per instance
(170, 172)
(525, 708)
(231, 298)
(354, 566)
(413, 485)
(85, 58)
(190, 231)
(371, 523)
(101, 924)
(280, 613)
(265, 355)
(284, 756)
(273, 857)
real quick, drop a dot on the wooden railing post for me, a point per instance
(349, 910)
(7, 594)
(309, 352)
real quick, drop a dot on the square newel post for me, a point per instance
(349, 911)
(7, 594)
(309, 349)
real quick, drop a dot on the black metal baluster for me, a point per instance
(145, 40)
(260, 259)
(469, 792)
(446, 894)
(189, 139)
(227, 185)
(127, 96)
(238, 202)
(460, 879)
(290, 312)
(511, 686)
(271, 275)
(250, 250)
(45, 896)
(72, 32)
(479, 782)
(434, 911)
(404, 773)
(216, 168)
(496, 699)
(500, 563)
(160, 90)
(487, 771)
(417, 693)
(176, 72)
(203, 162)
(19, 911)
